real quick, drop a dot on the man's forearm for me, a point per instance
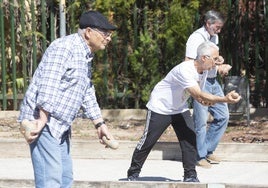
(208, 98)
(204, 97)
(43, 116)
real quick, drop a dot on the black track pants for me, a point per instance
(156, 124)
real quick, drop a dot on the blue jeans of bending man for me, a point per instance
(52, 161)
(208, 137)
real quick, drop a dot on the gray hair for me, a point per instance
(205, 49)
(212, 16)
(81, 31)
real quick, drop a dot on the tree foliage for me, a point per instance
(149, 41)
(152, 36)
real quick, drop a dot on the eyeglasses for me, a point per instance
(105, 34)
(216, 60)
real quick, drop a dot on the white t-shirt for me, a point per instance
(196, 38)
(170, 96)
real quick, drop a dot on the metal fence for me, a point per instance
(28, 26)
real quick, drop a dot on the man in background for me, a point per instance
(208, 138)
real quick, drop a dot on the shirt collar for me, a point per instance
(206, 33)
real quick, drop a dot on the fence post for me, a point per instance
(246, 41)
(3, 57)
(256, 56)
(52, 21)
(43, 22)
(13, 52)
(125, 61)
(105, 77)
(23, 44)
(266, 52)
(115, 70)
(34, 63)
(62, 18)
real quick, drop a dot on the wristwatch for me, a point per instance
(99, 124)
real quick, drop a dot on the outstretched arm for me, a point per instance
(208, 99)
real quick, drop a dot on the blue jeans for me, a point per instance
(52, 161)
(207, 138)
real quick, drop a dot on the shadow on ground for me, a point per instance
(152, 178)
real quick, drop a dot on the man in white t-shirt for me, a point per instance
(208, 138)
(168, 106)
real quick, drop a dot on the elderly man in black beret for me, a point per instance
(60, 87)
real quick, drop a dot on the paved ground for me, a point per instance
(98, 170)
(250, 173)
(243, 166)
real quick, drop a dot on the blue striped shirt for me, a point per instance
(61, 85)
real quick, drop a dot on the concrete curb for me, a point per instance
(171, 151)
(140, 114)
(81, 149)
(125, 184)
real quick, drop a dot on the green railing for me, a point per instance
(27, 27)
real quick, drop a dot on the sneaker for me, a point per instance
(213, 159)
(190, 179)
(132, 177)
(203, 163)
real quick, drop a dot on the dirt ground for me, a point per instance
(131, 130)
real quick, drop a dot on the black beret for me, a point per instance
(95, 19)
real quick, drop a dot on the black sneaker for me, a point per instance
(190, 179)
(132, 177)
